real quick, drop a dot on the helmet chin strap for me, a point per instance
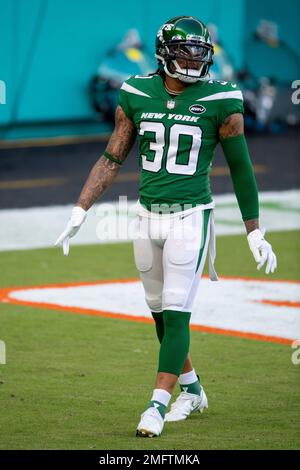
(195, 75)
(187, 79)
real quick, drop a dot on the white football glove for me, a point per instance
(262, 250)
(77, 218)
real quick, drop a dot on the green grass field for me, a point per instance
(78, 382)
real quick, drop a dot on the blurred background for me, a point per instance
(63, 61)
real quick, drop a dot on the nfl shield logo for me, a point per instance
(170, 104)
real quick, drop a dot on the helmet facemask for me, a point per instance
(187, 61)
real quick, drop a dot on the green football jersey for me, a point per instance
(177, 136)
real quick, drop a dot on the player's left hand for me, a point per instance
(262, 251)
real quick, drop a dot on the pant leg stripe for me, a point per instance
(205, 216)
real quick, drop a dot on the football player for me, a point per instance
(179, 115)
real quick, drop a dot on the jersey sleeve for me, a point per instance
(231, 102)
(124, 101)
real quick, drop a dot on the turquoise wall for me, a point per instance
(49, 49)
(282, 62)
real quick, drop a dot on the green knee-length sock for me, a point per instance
(176, 341)
(159, 324)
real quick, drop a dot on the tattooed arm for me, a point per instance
(101, 176)
(251, 225)
(237, 156)
(233, 125)
(105, 171)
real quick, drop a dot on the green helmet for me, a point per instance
(187, 40)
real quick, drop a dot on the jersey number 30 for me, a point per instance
(173, 151)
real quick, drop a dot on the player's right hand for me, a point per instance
(78, 216)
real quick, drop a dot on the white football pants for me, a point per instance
(170, 252)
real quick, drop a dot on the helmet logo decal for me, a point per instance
(197, 109)
(168, 26)
(164, 27)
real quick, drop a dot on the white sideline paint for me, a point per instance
(39, 227)
(228, 304)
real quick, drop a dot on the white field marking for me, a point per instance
(2, 352)
(231, 304)
(39, 227)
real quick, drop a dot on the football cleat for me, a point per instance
(185, 405)
(151, 423)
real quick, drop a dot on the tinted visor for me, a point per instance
(191, 52)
